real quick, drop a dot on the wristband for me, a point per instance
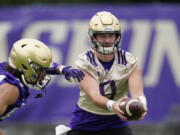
(61, 68)
(143, 100)
(109, 105)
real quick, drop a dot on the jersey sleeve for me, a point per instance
(54, 65)
(23, 91)
(131, 62)
(83, 62)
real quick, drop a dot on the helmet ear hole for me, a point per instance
(44, 59)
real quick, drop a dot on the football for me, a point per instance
(133, 108)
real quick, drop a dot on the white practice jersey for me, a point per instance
(113, 84)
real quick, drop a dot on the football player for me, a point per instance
(110, 74)
(28, 67)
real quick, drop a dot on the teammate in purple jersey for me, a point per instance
(110, 74)
(29, 66)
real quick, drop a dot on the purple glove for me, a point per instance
(72, 73)
(69, 73)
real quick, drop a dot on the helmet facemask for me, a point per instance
(104, 23)
(100, 46)
(35, 77)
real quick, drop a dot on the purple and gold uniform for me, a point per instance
(6, 77)
(112, 77)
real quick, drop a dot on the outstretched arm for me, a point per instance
(70, 73)
(135, 83)
(136, 87)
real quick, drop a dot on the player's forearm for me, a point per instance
(135, 92)
(135, 83)
(99, 99)
(136, 86)
(91, 88)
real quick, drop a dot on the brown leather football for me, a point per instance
(133, 108)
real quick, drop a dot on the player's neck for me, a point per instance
(105, 58)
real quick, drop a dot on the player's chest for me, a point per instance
(116, 73)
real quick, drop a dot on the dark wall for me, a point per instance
(27, 2)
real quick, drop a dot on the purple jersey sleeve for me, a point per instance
(55, 65)
(6, 77)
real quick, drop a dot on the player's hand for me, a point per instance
(72, 74)
(120, 113)
(143, 115)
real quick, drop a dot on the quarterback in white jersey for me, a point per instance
(113, 82)
(110, 75)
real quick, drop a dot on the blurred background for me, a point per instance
(150, 31)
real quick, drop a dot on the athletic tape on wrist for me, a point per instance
(143, 100)
(61, 68)
(110, 104)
